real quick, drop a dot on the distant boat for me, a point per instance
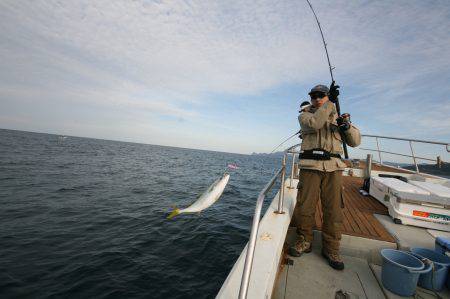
(62, 138)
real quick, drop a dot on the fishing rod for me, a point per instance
(338, 107)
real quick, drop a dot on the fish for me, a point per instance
(207, 199)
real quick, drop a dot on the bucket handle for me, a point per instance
(428, 265)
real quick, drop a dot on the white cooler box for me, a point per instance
(438, 194)
(423, 204)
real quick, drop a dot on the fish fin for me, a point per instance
(174, 213)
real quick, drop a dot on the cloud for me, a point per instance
(181, 59)
(190, 48)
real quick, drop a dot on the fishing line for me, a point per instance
(286, 140)
(278, 146)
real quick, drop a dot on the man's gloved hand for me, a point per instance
(344, 122)
(334, 92)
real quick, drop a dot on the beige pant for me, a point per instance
(327, 186)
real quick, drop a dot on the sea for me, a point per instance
(86, 218)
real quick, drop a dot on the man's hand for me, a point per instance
(344, 122)
(334, 92)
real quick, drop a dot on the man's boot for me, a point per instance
(334, 260)
(301, 246)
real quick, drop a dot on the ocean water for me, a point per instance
(85, 218)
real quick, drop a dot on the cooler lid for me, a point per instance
(400, 186)
(436, 189)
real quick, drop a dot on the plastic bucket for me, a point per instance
(435, 279)
(400, 271)
(448, 282)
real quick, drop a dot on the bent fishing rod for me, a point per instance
(338, 107)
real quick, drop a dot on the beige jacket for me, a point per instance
(319, 130)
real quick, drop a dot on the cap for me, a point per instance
(319, 88)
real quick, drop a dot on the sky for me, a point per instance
(222, 75)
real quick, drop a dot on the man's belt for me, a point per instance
(318, 154)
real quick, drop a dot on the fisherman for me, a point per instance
(321, 168)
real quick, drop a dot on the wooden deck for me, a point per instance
(378, 167)
(358, 213)
(361, 164)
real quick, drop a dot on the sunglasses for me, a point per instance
(317, 95)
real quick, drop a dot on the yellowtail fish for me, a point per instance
(209, 197)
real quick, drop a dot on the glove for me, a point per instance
(344, 122)
(334, 92)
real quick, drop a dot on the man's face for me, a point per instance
(318, 99)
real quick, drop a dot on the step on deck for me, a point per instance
(311, 277)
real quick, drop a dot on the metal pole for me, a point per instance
(379, 153)
(414, 157)
(292, 172)
(281, 194)
(368, 165)
(439, 161)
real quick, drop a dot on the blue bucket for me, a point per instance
(400, 271)
(435, 279)
(448, 282)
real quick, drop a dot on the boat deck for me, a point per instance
(378, 167)
(358, 213)
(310, 276)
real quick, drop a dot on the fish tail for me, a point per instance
(174, 213)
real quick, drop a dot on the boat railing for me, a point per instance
(414, 157)
(280, 174)
(293, 150)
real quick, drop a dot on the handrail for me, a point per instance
(408, 139)
(290, 149)
(413, 155)
(255, 226)
(397, 154)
